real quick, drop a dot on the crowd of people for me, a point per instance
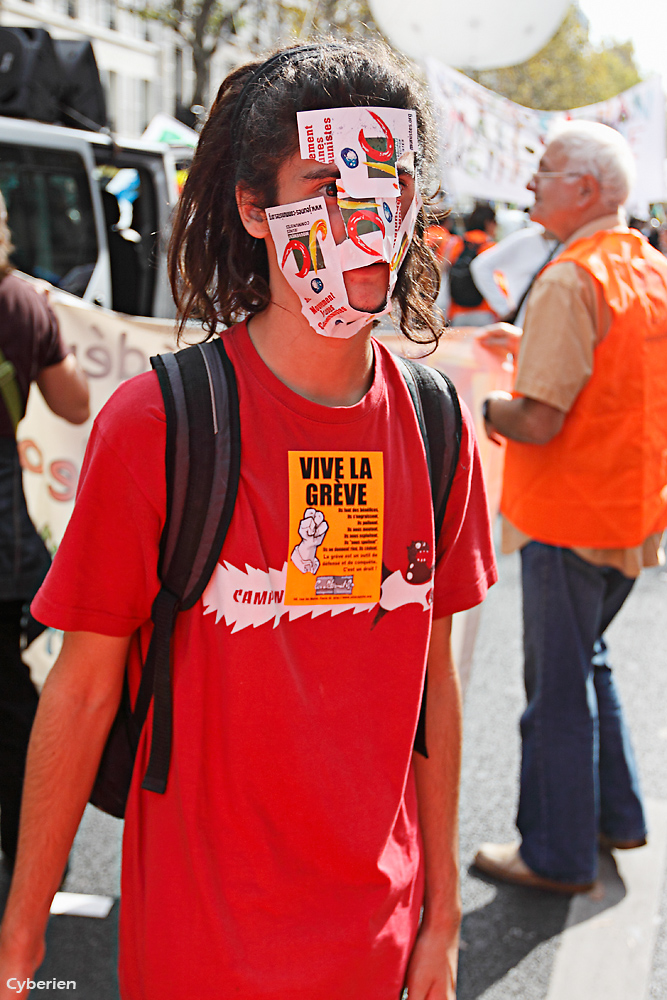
(309, 817)
(479, 288)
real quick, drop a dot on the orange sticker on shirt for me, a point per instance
(336, 514)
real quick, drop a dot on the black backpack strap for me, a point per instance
(203, 454)
(438, 410)
(512, 317)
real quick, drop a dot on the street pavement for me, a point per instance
(610, 944)
(512, 936)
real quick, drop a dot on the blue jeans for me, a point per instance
(578, 774)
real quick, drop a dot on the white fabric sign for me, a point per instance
(490, 146)
(110, 348)
(639, 115)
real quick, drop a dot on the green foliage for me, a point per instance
(254, 25)
(569, 72)
(342, 18)
(211, 17)
(201, 24)
(282, 22)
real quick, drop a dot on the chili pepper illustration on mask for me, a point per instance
(374, 153)
(318, 228)
(362, 215)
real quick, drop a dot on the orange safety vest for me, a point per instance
(602, 481)
(443, 243)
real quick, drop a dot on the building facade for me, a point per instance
(145, 68)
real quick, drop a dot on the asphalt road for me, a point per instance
(512, 937)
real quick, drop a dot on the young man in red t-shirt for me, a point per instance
(299, 835)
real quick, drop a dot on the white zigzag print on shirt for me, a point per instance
(255, 597)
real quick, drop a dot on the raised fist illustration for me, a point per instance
(312, 529)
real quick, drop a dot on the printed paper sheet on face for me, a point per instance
(364, 143)
(309, 260)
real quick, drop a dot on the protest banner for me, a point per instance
(110, 348)
(490, 146)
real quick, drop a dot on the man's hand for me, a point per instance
(432, 968)
(501, 338)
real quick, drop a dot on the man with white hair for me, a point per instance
(585, 500)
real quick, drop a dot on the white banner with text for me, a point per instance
(490, 146)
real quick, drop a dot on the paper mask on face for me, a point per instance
(373, 139)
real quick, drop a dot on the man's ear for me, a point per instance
(589, 188)
(252, 217)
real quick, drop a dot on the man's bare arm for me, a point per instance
(432, 968)
(76, 709)
(65, 389)
(521, 419)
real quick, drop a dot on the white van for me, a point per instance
(89, 213)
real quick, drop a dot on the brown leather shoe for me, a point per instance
(607, 844)
(504, 862)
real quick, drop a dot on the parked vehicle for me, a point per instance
(90, 213)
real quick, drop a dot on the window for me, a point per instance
(50, 214)
(130, 209)
(112, 98)
(109, 14)
(144, 103)
(178, 76)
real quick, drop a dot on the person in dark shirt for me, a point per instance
(31, 350)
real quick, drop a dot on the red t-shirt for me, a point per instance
(283, 862)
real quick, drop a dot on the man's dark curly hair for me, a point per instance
(218, 272)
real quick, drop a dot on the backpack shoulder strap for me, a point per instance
(512, 318)
(469, 252)
(202, 461)
(438, 410)
(202, 464)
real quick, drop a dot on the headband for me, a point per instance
(263, 73)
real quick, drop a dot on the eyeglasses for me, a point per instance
(539, 174)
